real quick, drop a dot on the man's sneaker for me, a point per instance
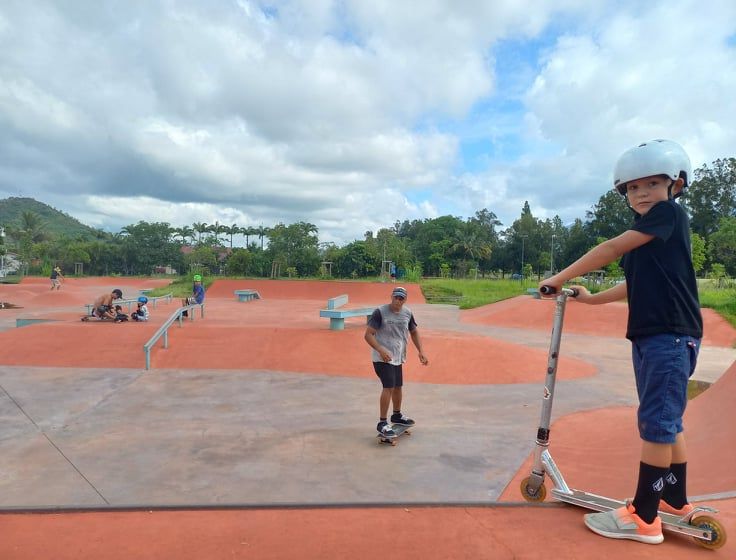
(623, 523)
(402, 420)
(683, 511)
(384, 428)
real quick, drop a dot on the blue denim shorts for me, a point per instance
(663, 364)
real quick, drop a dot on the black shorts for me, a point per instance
(390, 375)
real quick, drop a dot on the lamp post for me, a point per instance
(552, 256)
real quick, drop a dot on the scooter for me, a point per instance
(706, 530)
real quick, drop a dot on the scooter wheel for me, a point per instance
(538, 496)
(719, 533)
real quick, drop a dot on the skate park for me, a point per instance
(253, 433)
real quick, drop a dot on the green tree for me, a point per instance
(722, 244)
(239, 263)
(202, 259)
(698, 251)
(147, 245)
(610, 217)
(296, 246)
(711, 196)
(355, 260)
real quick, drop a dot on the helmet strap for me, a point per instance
(669, 190)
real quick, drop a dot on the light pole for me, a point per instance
(552, 256)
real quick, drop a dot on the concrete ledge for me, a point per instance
(247, 295)
(335, 302)
(337, 316)
(19, 322)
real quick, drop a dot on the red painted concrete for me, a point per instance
(253, 335)
(597, 450)
(518, 533)
(525, 312)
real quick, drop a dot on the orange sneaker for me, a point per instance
(623, 523)
(684, 510)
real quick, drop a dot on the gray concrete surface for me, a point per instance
(101, 438)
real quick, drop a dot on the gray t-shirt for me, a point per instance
(391, 332)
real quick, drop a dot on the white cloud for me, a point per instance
(348, 114)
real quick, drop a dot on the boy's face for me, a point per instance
(644, 193)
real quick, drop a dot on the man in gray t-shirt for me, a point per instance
(386, 334)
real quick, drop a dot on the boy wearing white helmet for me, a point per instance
(664, 325)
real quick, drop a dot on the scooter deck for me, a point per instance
(670, 522)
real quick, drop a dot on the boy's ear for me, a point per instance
(678, 185)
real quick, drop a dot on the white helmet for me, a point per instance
(656, 157)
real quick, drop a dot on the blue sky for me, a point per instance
(347, 114)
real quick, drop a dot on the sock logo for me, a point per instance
(658, 485)
(671, 479)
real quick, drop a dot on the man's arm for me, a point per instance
(370, 338)
(418, 343)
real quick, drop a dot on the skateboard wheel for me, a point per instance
(718, 538)
(530, 496)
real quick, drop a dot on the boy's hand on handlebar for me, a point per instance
(551, 282)
(583, 295)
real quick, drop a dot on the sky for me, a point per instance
(347, 114)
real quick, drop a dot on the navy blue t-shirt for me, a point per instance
(660, 279)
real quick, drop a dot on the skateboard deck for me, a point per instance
(399, 429)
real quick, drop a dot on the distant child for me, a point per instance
(55, 275)
(664, 325)
(197, 293)
(141, 313)
(120, 317)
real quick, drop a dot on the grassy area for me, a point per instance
(721, 301)
(182, 287)
(472, 293)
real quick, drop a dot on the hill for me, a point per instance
(55, 222)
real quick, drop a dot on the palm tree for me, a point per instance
(185, 232)
(200, 228)
(217, 229)
(262, 232)
(232, 230)
(248, 231)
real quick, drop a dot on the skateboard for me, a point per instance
(399, 429)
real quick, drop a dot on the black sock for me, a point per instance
(396, 413)
(675, 493)
(649, 490)
(382, 420)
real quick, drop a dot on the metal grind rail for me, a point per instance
(163, 330)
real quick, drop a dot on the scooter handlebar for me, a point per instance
(551, 290)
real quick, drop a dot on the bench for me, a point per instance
(337, 316)
(247, 295)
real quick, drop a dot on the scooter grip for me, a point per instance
(550, 290)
